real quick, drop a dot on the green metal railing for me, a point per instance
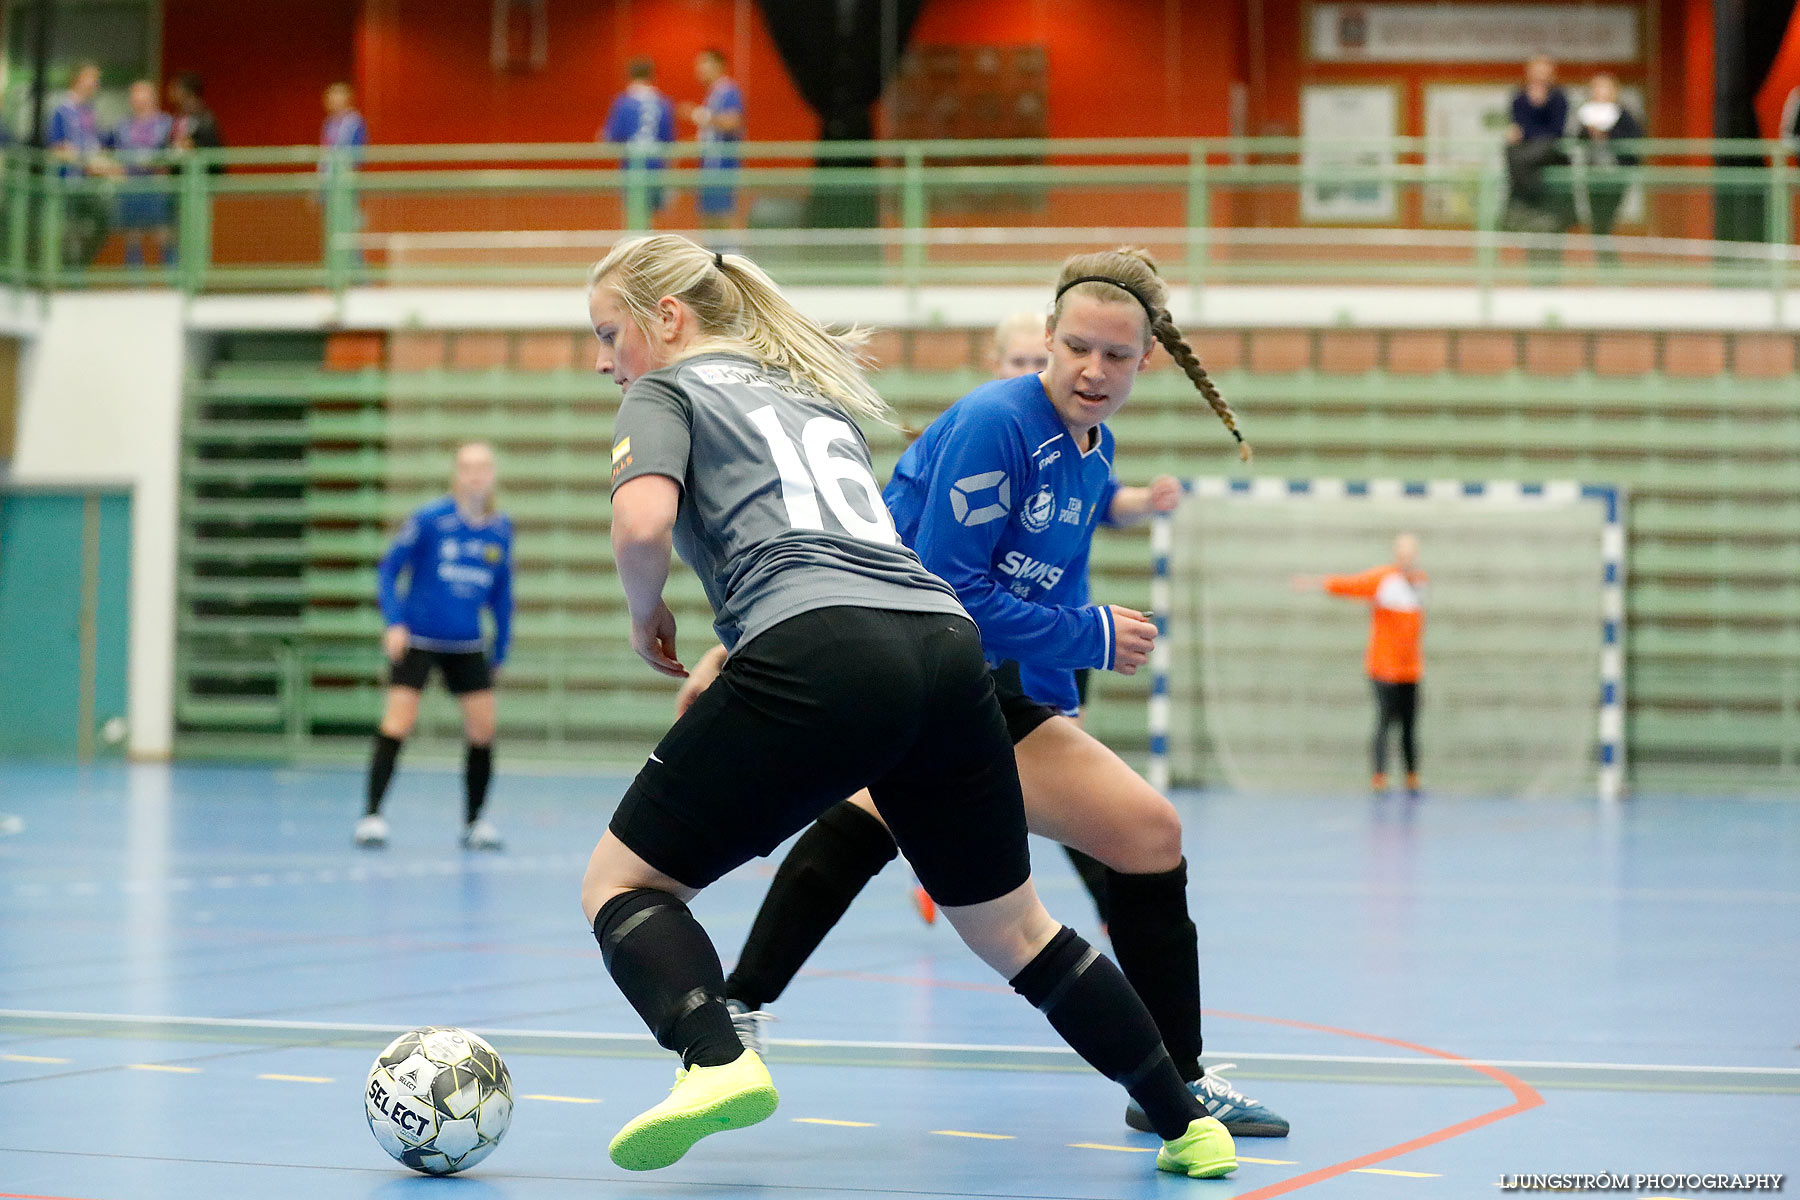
(295, 475)
(911, 214)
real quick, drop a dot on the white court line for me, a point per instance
(362, 873)
(590, 1037)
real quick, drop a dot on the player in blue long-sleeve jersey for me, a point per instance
(1000, 498)
(456, 553)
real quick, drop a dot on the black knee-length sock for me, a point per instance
(381, 770)
(666, 966)
(1155, 941)
(478, 769)
(1089, 1003)
(822, 874)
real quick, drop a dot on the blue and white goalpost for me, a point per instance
(1259, 687)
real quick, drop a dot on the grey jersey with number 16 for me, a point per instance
(780, 513)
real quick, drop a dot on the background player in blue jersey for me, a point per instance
(642, 118)
(1000, 497)
(719, 123)
(457, 555)
(1019, 349)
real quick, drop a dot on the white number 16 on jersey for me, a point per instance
(828, 476)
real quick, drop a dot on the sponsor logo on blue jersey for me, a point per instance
(1027, 569)
(978, 499)
(1038, 511)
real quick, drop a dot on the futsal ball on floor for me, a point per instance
(439, 1100)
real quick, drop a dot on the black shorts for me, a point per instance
(821, 705)
(1023, 714)
(463, 672)
(1081, 684)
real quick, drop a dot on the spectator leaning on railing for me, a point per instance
(1607, 129)
(641, 118)
(719, 124)
(73, 138)
(342, 139)
(145, 210)
(195, 126)
(1540, 114)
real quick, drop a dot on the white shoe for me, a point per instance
(480, 834)
(749, 1024)
(372, 831)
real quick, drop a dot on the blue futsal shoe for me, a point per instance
(1238, 1113)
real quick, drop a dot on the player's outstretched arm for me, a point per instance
(1132, 504)
(396, 559)
(500, 604)
(643, 525)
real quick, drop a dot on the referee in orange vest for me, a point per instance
(1395, 593)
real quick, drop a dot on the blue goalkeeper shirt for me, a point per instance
(1000, 503)
(454, 568)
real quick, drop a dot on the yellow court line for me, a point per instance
(562, 1099)
(162, 1067)
(1406, 1174)
(828, 1121)
(987, 1137)
(299, 1078)
(1269, 1162)
(31, 1058)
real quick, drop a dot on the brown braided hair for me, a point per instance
(1102, 274)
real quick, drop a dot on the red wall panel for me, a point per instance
(1117, 67)
(265, 64)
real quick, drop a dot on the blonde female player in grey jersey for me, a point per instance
(852, 666)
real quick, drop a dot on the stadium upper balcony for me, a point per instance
(910, 215)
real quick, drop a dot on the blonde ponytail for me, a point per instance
(739, 310)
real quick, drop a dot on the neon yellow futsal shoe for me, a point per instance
(1205, 1151)
(704, 1100)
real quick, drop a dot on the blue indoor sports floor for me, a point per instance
(196, 969)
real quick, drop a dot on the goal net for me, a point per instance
(1260, 687)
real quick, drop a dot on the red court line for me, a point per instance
(1525, 1098)
(24, 1196)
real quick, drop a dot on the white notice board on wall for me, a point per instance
(1465, 133)
(1339, 128)
(1508, 33)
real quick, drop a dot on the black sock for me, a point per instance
(1096, 1012)
(822, 874)
(1154, 939)
(666, 966)
(381, 769)
(478, 768)
(1093, 877)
